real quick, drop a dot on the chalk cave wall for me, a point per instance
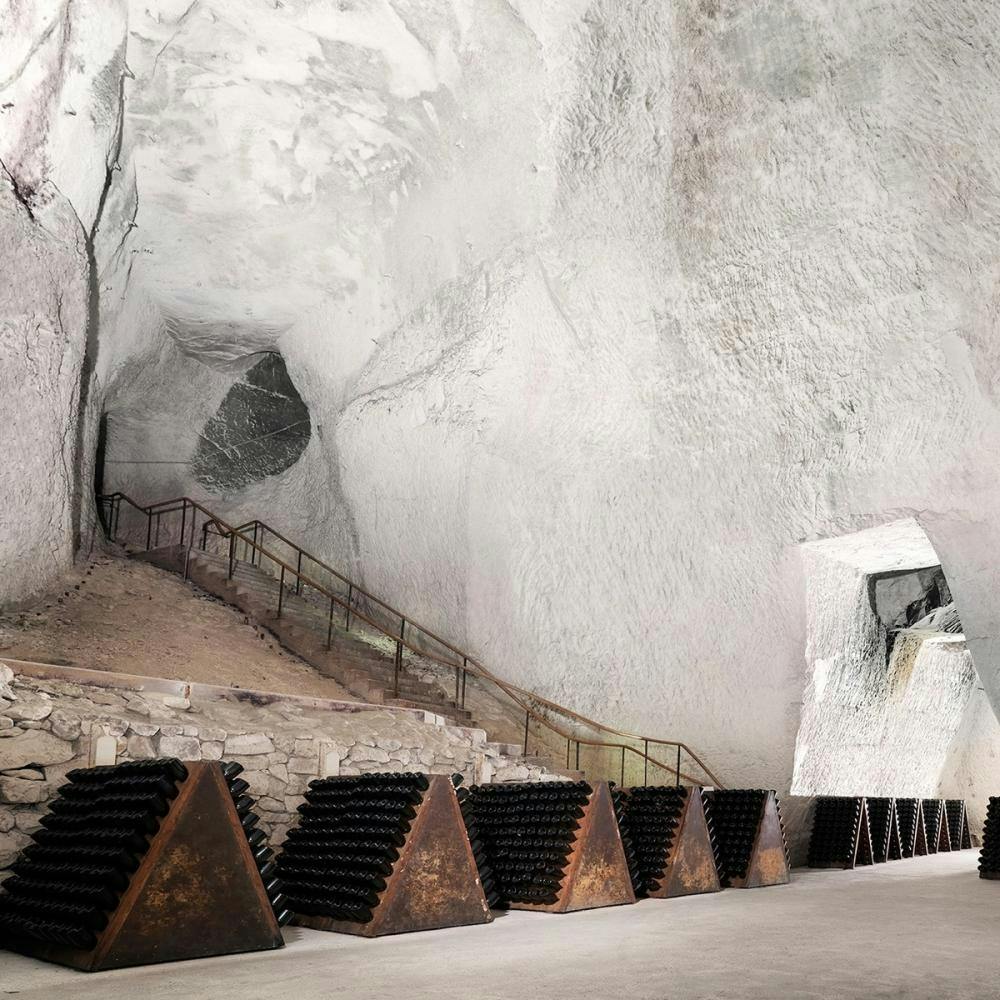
(61, 67)
(893, 704)
(598, 309)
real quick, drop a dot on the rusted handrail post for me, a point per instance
(232, 553)
(298, 574)
(645, 763)
(281, 590)
(396, 666)
(678, 766)
(527, 716)
(184, 510)
(347, 616)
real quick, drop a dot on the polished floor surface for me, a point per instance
(926, 928)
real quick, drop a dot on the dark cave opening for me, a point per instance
(260, 429)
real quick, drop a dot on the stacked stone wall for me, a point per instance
(50, 726)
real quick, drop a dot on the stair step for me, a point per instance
(427, 706)
(362, 659)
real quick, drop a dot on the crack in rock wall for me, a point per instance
(60, 70)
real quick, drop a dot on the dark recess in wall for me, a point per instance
(261, 428)
(908, 598)
(101, 454)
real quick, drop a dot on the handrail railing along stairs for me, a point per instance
(359, 604)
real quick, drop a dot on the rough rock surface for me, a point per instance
(599, 308)
(61, 66)
(282, 745)
(885, 712)
(128, 617)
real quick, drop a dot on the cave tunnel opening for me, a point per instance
(260, 429)
(891, 689)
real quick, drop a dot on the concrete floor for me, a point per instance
(927, 927)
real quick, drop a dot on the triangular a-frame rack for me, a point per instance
(895, 842)
(958, 824)
(989, 854)
(691, 865)
(884, 829)
(764, 857)
(912, 833)
(944, 833)
(864, 854)
(672, 826)
(920, 833)
(597, 873)
(935, 825)
(196, 892)
(434, 881)
(842, 834)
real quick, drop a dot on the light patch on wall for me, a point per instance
(821, 671)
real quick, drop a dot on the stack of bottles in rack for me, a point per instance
(620, 800)
(958, 825)
(94, 837)
(336, 861)
(486, 880)
(933, 810)
(881, 816)
(735, 816)
(651, 818)
(989, 855)
(835, 831)
(522, 836)
(263, 855)
(907, 814)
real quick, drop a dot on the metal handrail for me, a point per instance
(469, 665)
(465, 656)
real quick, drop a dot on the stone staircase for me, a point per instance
(362, 660)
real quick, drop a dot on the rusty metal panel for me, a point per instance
(769, 860)
(691, 867)
(434, 882)
(197, 891)
(598, 873)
